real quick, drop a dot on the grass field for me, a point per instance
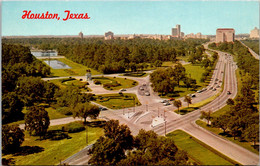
(198, 151)
(51, 152)
(219, 132)
(71, 83)
(116, 101)
(76, 69)
(124, 82)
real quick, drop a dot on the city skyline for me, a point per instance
(120, 17)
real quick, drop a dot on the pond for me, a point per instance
(56, 64)
(44, 53)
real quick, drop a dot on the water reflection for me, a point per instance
(44, 53)
(56, 64)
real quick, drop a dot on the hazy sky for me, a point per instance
(121, 17)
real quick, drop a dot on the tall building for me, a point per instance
(81, 35)
(176, 32)
(109, 35)
(254, 33)
(225, 35)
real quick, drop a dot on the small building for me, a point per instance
(81, 35)
(109, 35)
(225, 35)
(254, 33)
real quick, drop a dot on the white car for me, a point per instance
(141, 88)
(147, 94)
(164, 101)
(167, 103)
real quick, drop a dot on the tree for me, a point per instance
(110, 148)
(178, 104)
(37, 120)
(12, 138)
(11, 107)
(84, 110)
(221, 122)
(206, 115)
(230, 102)
(179, 72)
(30, 90)
(187, 99)
(252, 133)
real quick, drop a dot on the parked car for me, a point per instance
(218, 86)
(199, 91)
(122, 90)
(164, 101)
(229, 93)
(141, 88)
(147, 94)
(144, 84)
(167, 103)
(214, 89)
(210, 88)
(192, 95)
(171, 99)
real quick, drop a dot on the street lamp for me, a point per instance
(165, 127)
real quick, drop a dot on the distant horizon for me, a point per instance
(130, 17)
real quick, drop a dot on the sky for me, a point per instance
(130, 17)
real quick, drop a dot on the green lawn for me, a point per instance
(54, 150)
(76, 69)
(116, 101)
(124, 82)
(219, 132)
(198, 151)
(71, 83)
(53, 114)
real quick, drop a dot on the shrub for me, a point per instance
(64, 110)
(57, 135)
(67, 79)
(74, 127)
(97, 82)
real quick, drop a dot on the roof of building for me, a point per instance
(225, 29)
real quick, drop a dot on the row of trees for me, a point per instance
(119, 147)
(165, 80)
(116, 55)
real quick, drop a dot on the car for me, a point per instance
(199, 91)
(216, 83)
(164, 101)
(192, 95)
(218, 86)
(167, 103)
(214, 89)
(103, 109)
(147, 94)
(220, 81)
(172, 99)
(120, 93)
(141, 88)
(144, 84)
(122, 90)
(210, 88)
(228, 92)
(216, 79)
